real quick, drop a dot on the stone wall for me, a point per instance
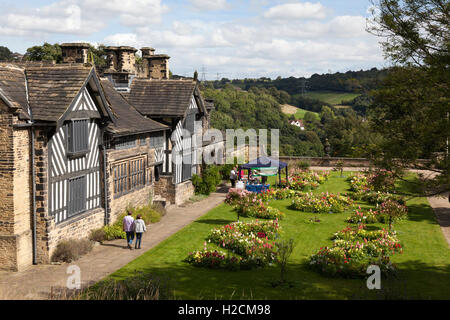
(23, 197)
(328, 161)
(43, 220)
(183, 191)
(78, 227)
(8, 241)
(164, 189)
(15, 203)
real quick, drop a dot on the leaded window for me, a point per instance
(129, 175)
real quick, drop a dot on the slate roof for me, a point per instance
(51, 90)
(161, 97)
(13, 89)
(127, 119)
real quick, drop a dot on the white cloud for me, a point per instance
(209, 5)
(131, 12)
(61, 17)
(299, 10)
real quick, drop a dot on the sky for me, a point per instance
(219, 38)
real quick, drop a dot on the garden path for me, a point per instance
(45, 281)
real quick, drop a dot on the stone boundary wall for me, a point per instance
(332, 161)
(328, 161)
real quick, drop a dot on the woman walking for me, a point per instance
(140, 228)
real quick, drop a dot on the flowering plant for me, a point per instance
(353, 250)
(361, 216)
(391, 211)
(304, 180)
(249, 204)
(323, 203)
(251, 241)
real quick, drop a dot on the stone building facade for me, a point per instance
(75, 151)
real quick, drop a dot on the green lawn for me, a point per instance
(424, 266)
(331, 97)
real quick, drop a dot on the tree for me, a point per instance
(5, 54)
(415, 31)
(46, 52)
(411, 108)
(97, 55)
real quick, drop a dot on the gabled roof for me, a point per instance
(51, 90)
(13, 89)
(127, 119)
(161, 97)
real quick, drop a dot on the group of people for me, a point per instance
(252, 177)
(133, 227)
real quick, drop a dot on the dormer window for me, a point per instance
(77, 137)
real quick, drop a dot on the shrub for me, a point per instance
(71, 250)
(158, 207)
(114, 231)
(139, 286)
(98, 235)
(391, 211)
(284, 251)
(209, 180)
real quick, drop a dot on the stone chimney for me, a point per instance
(75, 52)
(155, 66)
(122, 59)
(121, 66)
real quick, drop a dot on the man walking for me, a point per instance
(128, 227)
(233, 177)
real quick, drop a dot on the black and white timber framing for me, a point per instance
(74, 179)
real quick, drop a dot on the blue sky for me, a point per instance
(228, 38)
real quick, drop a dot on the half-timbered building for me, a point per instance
(134, 150)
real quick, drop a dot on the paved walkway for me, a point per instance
(38, 282)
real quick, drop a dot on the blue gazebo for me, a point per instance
(265, 162)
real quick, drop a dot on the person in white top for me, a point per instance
(140, 228)
(233, 177)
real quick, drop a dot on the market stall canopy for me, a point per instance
(264, 162)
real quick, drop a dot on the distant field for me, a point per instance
(331, 97)
(299, 113)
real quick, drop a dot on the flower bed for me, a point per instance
(361, 216)
(388, 210)
(354, 250)
(249, 204)
(253, 242)
(304, 180)
(323, 203)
